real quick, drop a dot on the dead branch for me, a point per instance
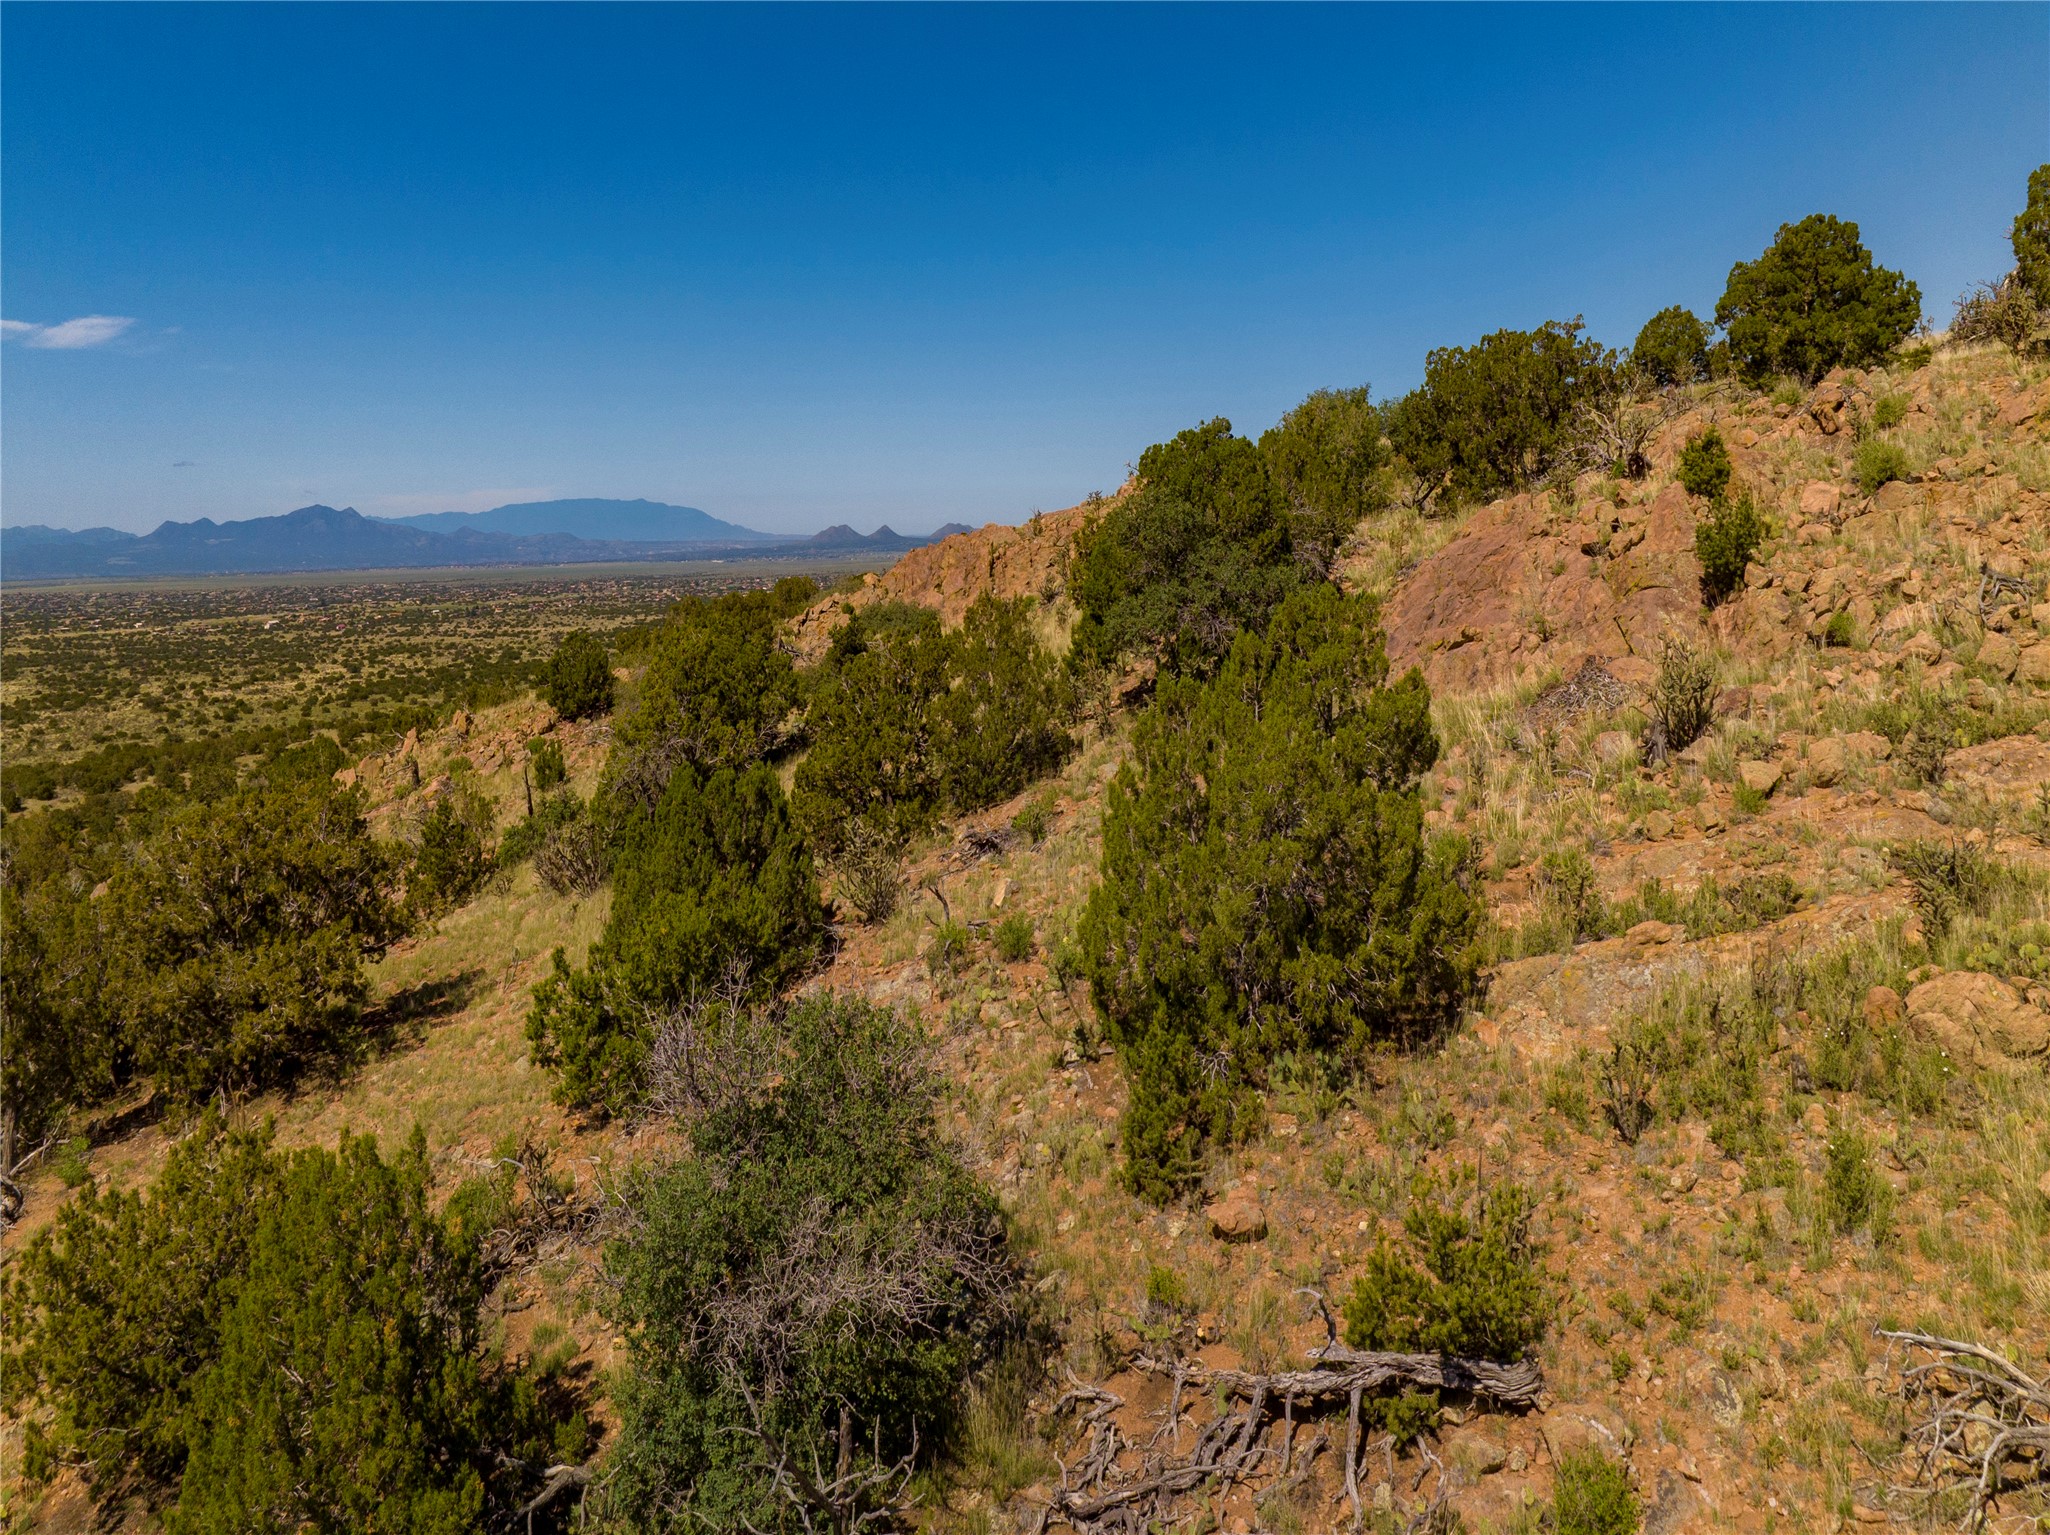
(1616, 433)
(1097, 1493)
(1987, 1425)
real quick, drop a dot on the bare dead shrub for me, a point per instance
(572, 859)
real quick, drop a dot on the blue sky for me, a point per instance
(799, 266)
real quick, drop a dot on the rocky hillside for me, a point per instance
(1766, 1031)
(1026, 561)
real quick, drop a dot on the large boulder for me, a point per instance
(1980, 1020)
(1238, 1216)
(1523, 588)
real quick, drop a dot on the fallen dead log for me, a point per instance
(1344, 1371)
(1095, 1495)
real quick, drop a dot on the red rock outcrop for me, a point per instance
(1524, 587)
(1027, 561)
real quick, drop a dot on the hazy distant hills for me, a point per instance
(650, 522)
(327, 538)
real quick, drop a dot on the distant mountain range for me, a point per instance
(324, 538)
(649, 522)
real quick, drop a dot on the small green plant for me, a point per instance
(1946, 879)
(1837, 633)
(1705, 467)
(1592, 1496)
(1570, 895)
(1626, 1090)
(71, 1164)
(1854, 1196)
(1724, 542)
(1748, 801)
(550, 771)
(1788, 392)
(1014, 939)
(1912, 358)
(1033, 822)
(1167, 1293)
(1467, 1283)
(947, 950)
(1889, 411)
(1682, 702)
(1620, 1365)
(1878, 462)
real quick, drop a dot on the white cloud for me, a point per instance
(68, 335)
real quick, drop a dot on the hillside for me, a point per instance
(1722, 1233)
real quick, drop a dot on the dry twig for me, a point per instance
(1987, 1429)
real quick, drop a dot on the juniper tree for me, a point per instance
(1268, 886)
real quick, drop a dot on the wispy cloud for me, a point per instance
(412, 502)
(185, 463)
(87, 330)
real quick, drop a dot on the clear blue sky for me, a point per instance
(800, 266)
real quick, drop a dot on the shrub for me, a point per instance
(2031, 238)
(871, 721)
(1837, 632)
(998, 726)
(1853, 1193)
(577, 681)
(1569, 893)
(450, 862)
(1591, 1496)
(62, 1039)
(1627, 1083)
(237, 934)
(573, 857)
(1330, 464)
(269, 1337)
(815, 1285)
(1889, 411)
(1199, 550)
(948, 948)
(1267, 885)
(1705, 467)
(1466, 1284)
(1682, 703)
(1724, 542)
(870, 872)
(1033, 821)
(564, 843)
(1946, 880)
(1014, 938)
(550, 771)
(2004, 311)
(1815, 300)
(1879, 461)
(1500, 414)
(714, 882)
(907, 721)
(1672, 348)
(716, 692)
